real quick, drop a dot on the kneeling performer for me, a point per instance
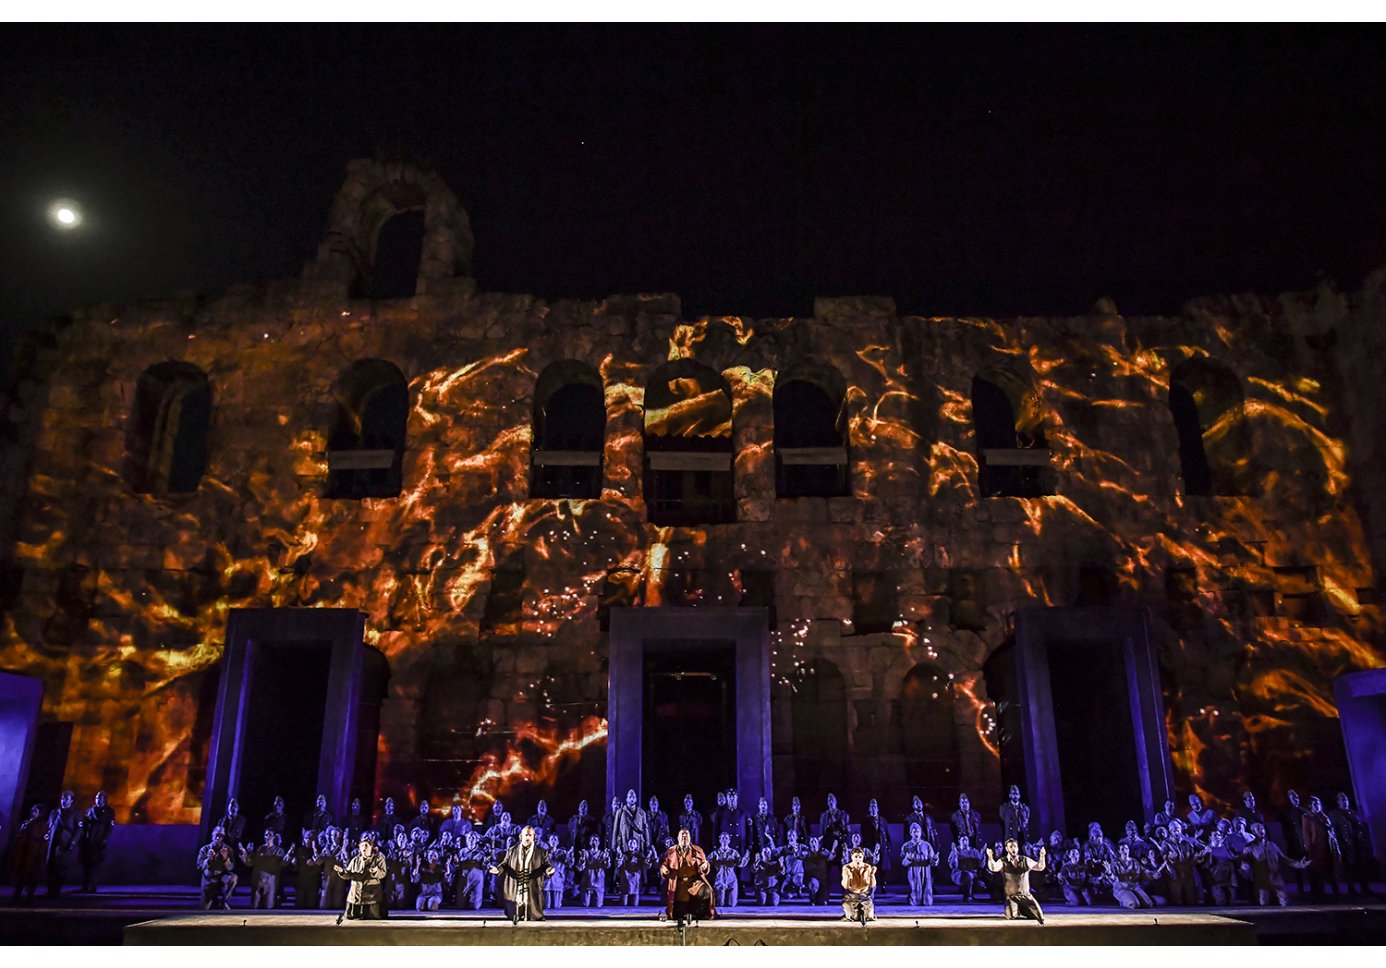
(689, 892)
(525, 866)
(858, 885)
(1016, 870)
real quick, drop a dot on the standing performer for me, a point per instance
(592, 866)
(366, 872)
(97, 824)
(926, 822)
(423, 820)
(63, 836)
(1015, 817)
(1016, 870)
(456, 825)
(966, 821)
(582, 826)
(543, 822)
(1266, 859)
(858, 885)
(796, 822)
(659, 824)
(307, 861)
(875, 837)
(765, 829)
(691, 820)
(318, 819)
(29, 850)
(1321, 848)
(233, 822)
(356, 822)
(919, 859)
(1200, 820)
(832, 827)
(524, 867)
(554, 885)
(685, 867)
(1352, 843)
(385, 826)
(1292, 822)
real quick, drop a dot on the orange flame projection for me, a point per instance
(422, 565)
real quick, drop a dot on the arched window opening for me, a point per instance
(569, 432)
(818, 711)
(166, 442)
(365, 451)
(1012, 453)
(929, 737)
(688, 446)
(394, 268)
(811, 434)
(1205, 400)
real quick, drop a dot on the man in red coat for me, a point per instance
(688, 893)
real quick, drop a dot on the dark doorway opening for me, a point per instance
(398, 252)
(1094, 732)
(689, 741)
(1193, 459)
(282, 744)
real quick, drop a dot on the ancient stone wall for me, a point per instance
(1258, 599)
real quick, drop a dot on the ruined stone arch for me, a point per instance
(812, 457)
(365, 447)
(569, 431)
(1008, 417)
(1208, 408)
(373, 193)
(166, 437)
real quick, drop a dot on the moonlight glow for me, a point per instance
(64, 214)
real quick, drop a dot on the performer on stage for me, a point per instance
(1292, 823)
(366, 872)
(766, 874)
(1015, 817)
(858, 886)
(765, 829)
(319, 818)
(691, 820)
(429, 874)
(726, 860)
(1016, 870)
(307, 861)
(233, 822)
(688, 893)
(582, 826)
(592, 866)
(276, 819)
(832, 827)
(385, 826)
(218, 869)
(63, 836)
(472, 861)
(817, 862)
(1200, 820)
(919, 859)
(875, 838)
(632, 861)
(792, 860)
(965, 862)
(1128, 879)
(266, 862)
(1266, 860)
(1353, 844)
(555, 885)
(926, 822)
(543, 822)
(524, 868)
(966, 821)
(796, 822)
(29, 850)
(96, 827)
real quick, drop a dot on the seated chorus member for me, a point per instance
(218, 869)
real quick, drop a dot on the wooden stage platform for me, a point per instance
(973, 928)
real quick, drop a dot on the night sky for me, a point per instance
(994, 171)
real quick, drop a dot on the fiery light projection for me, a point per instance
(125, 597)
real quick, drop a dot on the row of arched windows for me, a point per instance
(687, 435)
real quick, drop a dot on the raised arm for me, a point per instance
(993, 864)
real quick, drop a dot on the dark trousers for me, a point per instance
(1024, 906)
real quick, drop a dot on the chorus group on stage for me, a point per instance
(696, 865)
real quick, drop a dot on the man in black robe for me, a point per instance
(1292, 822)
(1016, 871)
(832, 827)
(691, 820)
(582, 826)
(1015, 817)
(233, 822)
(523, 869)
(765, 829)
(96, 826)
(385, 825)
(62, 838)
(796, 822)
(319, 818)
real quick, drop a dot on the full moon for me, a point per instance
(64, 214)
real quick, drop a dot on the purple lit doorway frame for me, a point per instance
(1037, 630)
(630, 630)
(247, 631)
(1361, 700)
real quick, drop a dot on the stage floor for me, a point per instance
(745, 928)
